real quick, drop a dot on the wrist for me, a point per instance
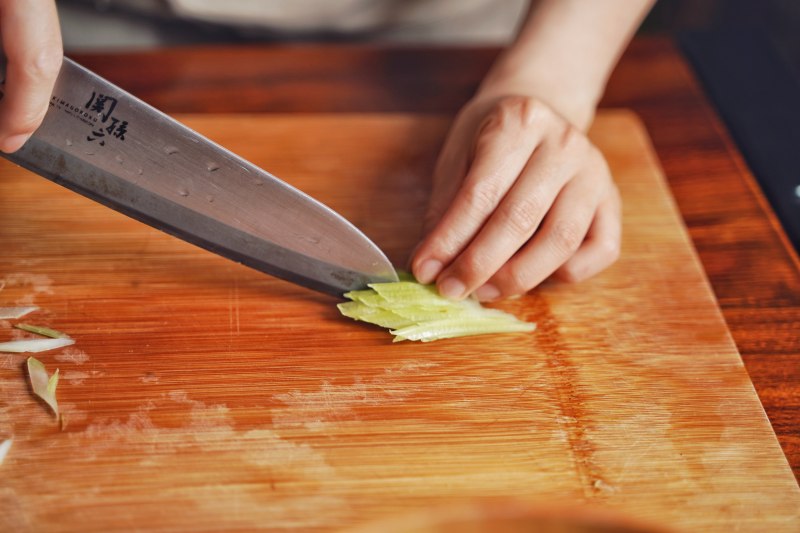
(573, 97)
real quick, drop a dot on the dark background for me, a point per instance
(747, 55)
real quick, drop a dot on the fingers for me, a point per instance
(559, 238)
(518, 216)
(537, 199)
(602, 245)
(503, 145)
(31, 41)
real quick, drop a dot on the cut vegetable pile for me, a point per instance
(416, 312)
(43, 385)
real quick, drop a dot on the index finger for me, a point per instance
(31, 40)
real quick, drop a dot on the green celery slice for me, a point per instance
(42, 330)
(460, 327)
(380, 317)
(417, 312)
(409, 292)
(367, 297)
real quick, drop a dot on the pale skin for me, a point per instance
(520, 194)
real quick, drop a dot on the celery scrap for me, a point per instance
(367, 297)
(42, 330)
(460, 327)
(416, 312)
(34, 345)
(44, 386)
(7, 313)
(4, 447)
(374, 315)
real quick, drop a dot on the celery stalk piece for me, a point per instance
(42, 330)
(417, 312)
(380, 317)
(460, 327)
(367, 297)
(34, 345)
(420, 313)
(4, 447)
(409, 292)
(44, 386)
(7, 313)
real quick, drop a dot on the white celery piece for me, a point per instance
(44, 386)
(416, 312)
(34, 345)
(4, 447)
(460, 327)
(10, 313)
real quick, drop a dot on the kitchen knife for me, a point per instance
(108, 145)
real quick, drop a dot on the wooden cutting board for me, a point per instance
(201, 395)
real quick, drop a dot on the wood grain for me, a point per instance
(203, 395)
(753, 270)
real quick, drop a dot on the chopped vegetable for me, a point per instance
(34, 345)
(374, 315)
(460, 327)
(44, 386)
(7, 313)
(416, 312)
(42, 330)
(4, 447)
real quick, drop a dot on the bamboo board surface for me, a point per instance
(201, 395)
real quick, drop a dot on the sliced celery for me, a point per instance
(460, 327)
(16, 312)
(34, 345)
(44, 386)
(416, 312)
(4, 447)
(420, 313)
(367, 297)
(374, 315)
(42, 330)
(410, 292)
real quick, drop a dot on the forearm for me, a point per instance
(565, 52)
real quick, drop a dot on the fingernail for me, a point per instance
(428, 270)
(452, 288)
(487, 293)
(12, 144)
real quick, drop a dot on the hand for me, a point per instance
(519, 194)
(31, 40)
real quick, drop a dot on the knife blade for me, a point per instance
(102, 142)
